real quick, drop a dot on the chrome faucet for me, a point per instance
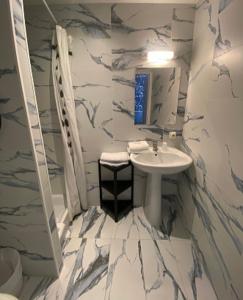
(155, 143)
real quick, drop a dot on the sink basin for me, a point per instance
(171, 161)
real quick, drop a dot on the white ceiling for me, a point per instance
(38, 2)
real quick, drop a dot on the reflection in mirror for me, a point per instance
(156, 95)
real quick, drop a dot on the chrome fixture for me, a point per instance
(155, 142)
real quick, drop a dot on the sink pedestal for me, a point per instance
(153, 200)
(155, 164)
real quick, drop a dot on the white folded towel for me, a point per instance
(137, 146)
(113, 164)
(116, 157)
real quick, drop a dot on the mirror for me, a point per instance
(156, 95)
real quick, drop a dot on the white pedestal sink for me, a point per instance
(159, 163)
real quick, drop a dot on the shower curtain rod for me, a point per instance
(50, 12)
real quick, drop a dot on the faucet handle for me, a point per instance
(160, 138)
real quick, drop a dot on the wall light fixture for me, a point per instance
(159, 56)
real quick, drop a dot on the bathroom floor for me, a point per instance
(124, 261)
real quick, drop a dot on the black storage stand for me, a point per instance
(116, 208)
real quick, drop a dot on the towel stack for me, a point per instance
(136, 147)
(114, 159)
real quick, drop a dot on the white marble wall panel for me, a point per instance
(36, 134)
(25, 223)
(52, 137)
(211, 192)
(134, 33)
(39, 38)
(228, 37)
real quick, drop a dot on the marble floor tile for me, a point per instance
(35, 287)
(89, 275)
(161, 276)
(145, 230)
(131, 261)
(196, 283)
(136, 226)
(38, 288)
(83, 275)
(127, 227)
(94, 223)
(125, 279)
(178, 230)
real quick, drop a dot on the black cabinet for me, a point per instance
(116, 207)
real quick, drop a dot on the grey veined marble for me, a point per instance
(211, 193)
(23, 224)
(108, 261)
(108, 43)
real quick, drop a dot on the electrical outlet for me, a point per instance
(172, 135)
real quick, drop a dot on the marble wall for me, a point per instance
(108, 43)
(27, 220)
(211, 192)
(39, 40)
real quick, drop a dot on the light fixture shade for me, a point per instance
(159, 56)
